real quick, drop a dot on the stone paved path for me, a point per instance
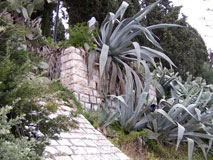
(84, 143)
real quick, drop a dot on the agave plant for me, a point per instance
(189, 119)
(164, 80)
(169, 82)
(130, 107)
(116, 49)
(107, 115)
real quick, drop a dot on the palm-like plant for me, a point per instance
(116, 49)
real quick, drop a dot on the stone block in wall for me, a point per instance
(84, 98)
(76, 79)
(92, 84)
(96, 78)
(87, 105)
(74, 76)
(97, 93)
(88, 91)
(93, 100)
(76, 88)
(65, 82)
(64, 58)
(69, 50)
(65, 73)
(81, 73)
(75, 56)
(74, 64)
(99, 100)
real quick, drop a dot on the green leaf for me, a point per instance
(165, 115)
(30, 8)
(141, 102)
(190, 148)
(198, 112)
(43, 65)
(105, 27)
(103, 58)
(37, 2)
(2, 28)
(134, 118)
(112, 117)
(181, 130)
(156, 26)
(137, 49)
(113, 77)
(51, 1)
(201, 135)
(141, 14)
(158, 86)
(177, 109)
(25, 14)
(143, 122)
(155, 125)
(201, 144)
(147, 76)
(129, 30)
(158, 54)
(120, 98)
(210, 145)
(120, 12)
(151, 135)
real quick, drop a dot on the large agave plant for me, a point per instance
(116, 49)
(130, 107)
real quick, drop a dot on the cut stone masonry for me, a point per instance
(82, 143)
(74, 76)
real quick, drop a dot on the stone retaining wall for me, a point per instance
(74, 76)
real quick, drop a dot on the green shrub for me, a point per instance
(27, 125)
(11, 147)
(79, 35)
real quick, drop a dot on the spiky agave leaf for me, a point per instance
(107, 116)
(190, 148)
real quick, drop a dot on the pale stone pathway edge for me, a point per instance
(82, 143)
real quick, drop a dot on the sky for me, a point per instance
(196, 11)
